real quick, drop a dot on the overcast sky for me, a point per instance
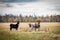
(30, 7)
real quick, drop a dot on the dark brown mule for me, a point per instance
(15, 26)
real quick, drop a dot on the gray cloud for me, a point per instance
(6, 5)
(9, 5)
(57, 9)
(18, 0)
(55, 4)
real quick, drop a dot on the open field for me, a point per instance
(44, 26)
(23, 32)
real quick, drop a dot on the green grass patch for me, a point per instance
(26, 36)
(55, 30)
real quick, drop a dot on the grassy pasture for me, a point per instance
(23, 32)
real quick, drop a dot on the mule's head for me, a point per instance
(38, 22)
(29, 25)
(18, 22)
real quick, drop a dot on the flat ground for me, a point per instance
(23, 32)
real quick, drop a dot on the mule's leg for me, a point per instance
(10, 28)
(35, 29)
(16, 28)
(39, 29)
(32, 28)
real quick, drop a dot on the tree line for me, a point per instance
(13, 18)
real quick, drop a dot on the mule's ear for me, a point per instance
(18, 22)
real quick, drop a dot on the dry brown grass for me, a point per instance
(45, 26)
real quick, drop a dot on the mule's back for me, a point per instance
(13, 25)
